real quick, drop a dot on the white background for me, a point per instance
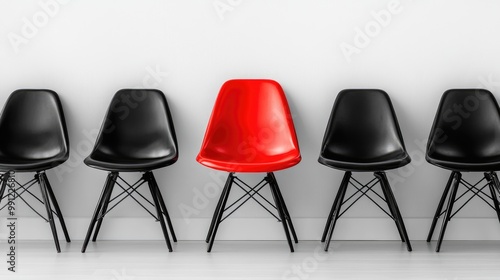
(87, 50)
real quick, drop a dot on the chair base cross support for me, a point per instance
(454, 183)
(104, 201)
(279, 206)
(388, 197)
(48, 200)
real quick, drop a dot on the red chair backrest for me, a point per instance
(250, 123)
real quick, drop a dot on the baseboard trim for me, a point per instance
(115, 228)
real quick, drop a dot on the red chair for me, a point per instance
(250, 130)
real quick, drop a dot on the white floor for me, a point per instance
(133, 260)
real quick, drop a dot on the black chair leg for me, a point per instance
(332, 211)
(449, 210)
(97, 211)
(491, 183)
(496, 186)
(56, 206)
(104, 208)
(285, 209)
(340, 199)
(399, 217)
(279, 207)
(227, 190)
(159, 214)
(163, 207)
(393, 212)
(50, 217)
(217, 208)
(440, 206)
(5, 178)
(496, 181)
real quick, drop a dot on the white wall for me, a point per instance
(87, 50)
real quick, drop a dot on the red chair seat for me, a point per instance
(225, 162)
(250, 130)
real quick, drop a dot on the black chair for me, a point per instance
(363, 135)
(465, 137)
(137, 136)
(33, 139)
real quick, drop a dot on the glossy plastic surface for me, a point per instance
(137, 134)
(363, 133)
(250, 130)
(33, 131)
(465, 135)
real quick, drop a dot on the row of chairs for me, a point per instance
(251, 130)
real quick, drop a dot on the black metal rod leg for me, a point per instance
(440, 206)
(56, 206)
(158, 211)
(104, 208)
(491, 183)
(281, 212)
(496, 185)
(341, 194)
(217, 208)
(449, 210)
(96, 212)
(391, 209)
(332, 211)
(396, 209)
(5, 178)
(227, 190)
(50, 217)
(285, 209)
(163, 207)
(497, 182)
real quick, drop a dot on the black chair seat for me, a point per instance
(29, 165)
(473, 165)
(122, 164)
(387, 162)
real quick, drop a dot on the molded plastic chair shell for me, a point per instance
(250, 129)
(34, 135)
(137, 134)
(363, 133)
(465, 135)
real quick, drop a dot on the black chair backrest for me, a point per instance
(32, 126)
(362, 126)
(138, 125)
(466, 126)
